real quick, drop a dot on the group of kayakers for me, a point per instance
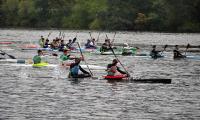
(112, 69)
(57, 43)
(157, 54)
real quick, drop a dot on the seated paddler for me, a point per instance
(113, 69)
(38, 58)
(75, 70)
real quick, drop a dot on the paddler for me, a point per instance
(46, 45)
(90, 44)
(74, 70)
(177, 53)
(154, 53)
(127, 50)
(37, 59)
(113, 69)
(41, 41)
(105, 46)
(66, 56)
(62, 45)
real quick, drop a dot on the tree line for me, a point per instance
(134, 15)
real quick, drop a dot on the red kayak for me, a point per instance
(6, 43)
(116, 77)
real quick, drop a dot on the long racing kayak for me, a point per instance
(119, 78)
(6, 43)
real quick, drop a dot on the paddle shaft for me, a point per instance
(8, 54)
(186, 49)
(113, 38)
(117, 57)
(84, 59)
(164, 49)
(90, 35)
(98, 37)
(118, 60)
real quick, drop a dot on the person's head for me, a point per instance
(93, 39)
(115, 61)
(65, 51)
(41, 36)
(77, 60)
(106, 40)
(40, 52)
(126, 45)
(154, 46)
(88, 40)
(62, 41)
(70, 40)
(47, 40)
(176, 46)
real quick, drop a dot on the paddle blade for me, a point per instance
(54, 54)
(12, 57)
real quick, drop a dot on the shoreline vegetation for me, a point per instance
(180, 16)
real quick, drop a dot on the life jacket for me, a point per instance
(64, 57)
(112, 70)
(36, 59)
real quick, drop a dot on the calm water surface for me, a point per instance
(46, 93)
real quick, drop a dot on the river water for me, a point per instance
(47, 93)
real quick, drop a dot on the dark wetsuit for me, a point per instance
(105, 47)
(61, 47)
(74, 68)
(177, 54)
(88, 45)
(69, 44)
(155, 54)
(46, 45)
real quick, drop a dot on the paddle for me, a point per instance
(49, 34)
(84, 59)
(164, 49)
(12, 57)
(188, 45)
(117, 57)
(98, 37)
(113, 38)
(90, 35)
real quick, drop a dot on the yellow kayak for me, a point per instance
(42, 64)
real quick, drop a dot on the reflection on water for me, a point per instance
(47, 93)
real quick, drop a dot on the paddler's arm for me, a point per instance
(122, 72)
(84, 71)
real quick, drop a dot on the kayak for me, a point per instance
(115, 77)
(118, 78)
(19, 61)
(188, 57)
(6, 43)
(108, 53)
(43, 64)
(29, 46)
(44, 49)
(92, 67)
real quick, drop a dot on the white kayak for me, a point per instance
(92, 67)
(12, 61)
